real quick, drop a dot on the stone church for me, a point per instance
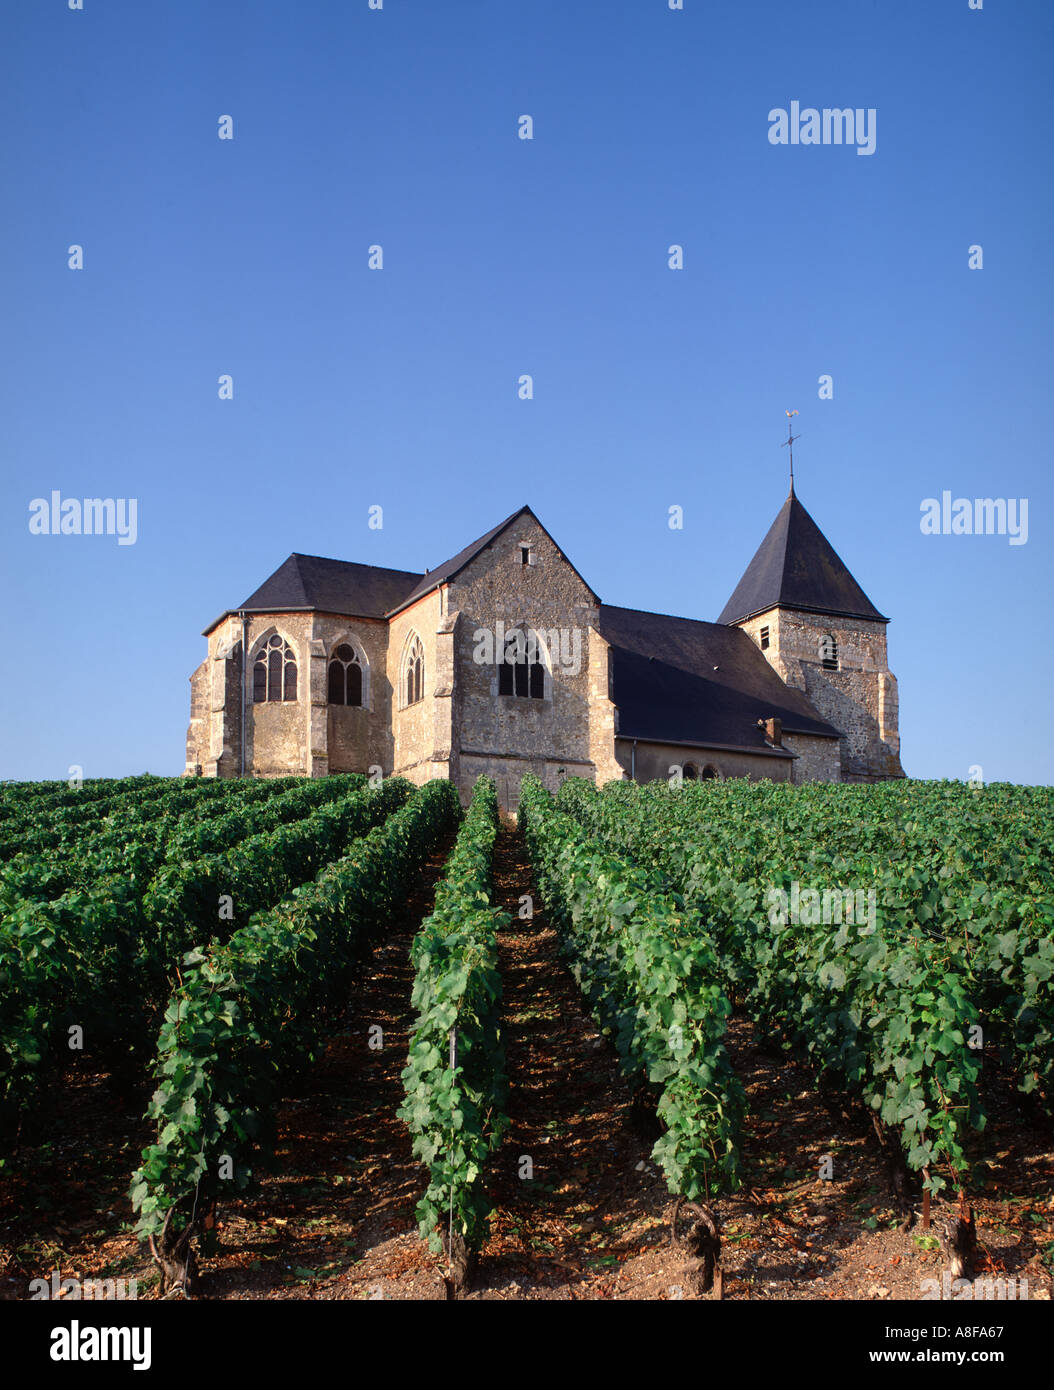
(503, 660)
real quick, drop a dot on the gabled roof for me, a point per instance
(313, 583)
(797, 567)
(463, 558)
(678, 680)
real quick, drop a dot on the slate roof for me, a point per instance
(678, 680)
(796, 566)
(329, 586)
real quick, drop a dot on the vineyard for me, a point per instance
(331, 1039)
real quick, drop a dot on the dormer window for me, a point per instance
(763, 637)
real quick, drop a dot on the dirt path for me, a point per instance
(560, 1232)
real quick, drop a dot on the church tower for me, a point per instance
(823, 635)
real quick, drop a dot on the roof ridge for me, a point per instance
(363, 564)
(652, 613)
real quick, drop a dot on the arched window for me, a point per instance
(414, 672)
(689, 772)
(828, 652)
(522, 672)
(710, 773)
(345, 677)
(274, 671)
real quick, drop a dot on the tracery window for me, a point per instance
(345, 677)
(522, 672)
(414, 672)
(274, 671)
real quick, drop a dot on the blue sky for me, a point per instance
(652, 387)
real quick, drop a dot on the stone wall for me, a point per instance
(603, 714)
(654, 760)
(508, 773)
(859, 699)
(421, 732)
(819, 759)
(198, 729)
(352, 738)
(277, 733)
(307, 736)
(216, 731)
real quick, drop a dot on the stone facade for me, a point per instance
(651, 762)
(859, 697)
(506, 735)
(461, 722)
(817, 759)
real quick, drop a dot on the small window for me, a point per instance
(274, 672)
(525, 554)
(764, 634)
(828, 652)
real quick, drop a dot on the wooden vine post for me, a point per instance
(925, 1200)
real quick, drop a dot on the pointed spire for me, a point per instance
(797, 567)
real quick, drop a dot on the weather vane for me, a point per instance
(788, 443)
